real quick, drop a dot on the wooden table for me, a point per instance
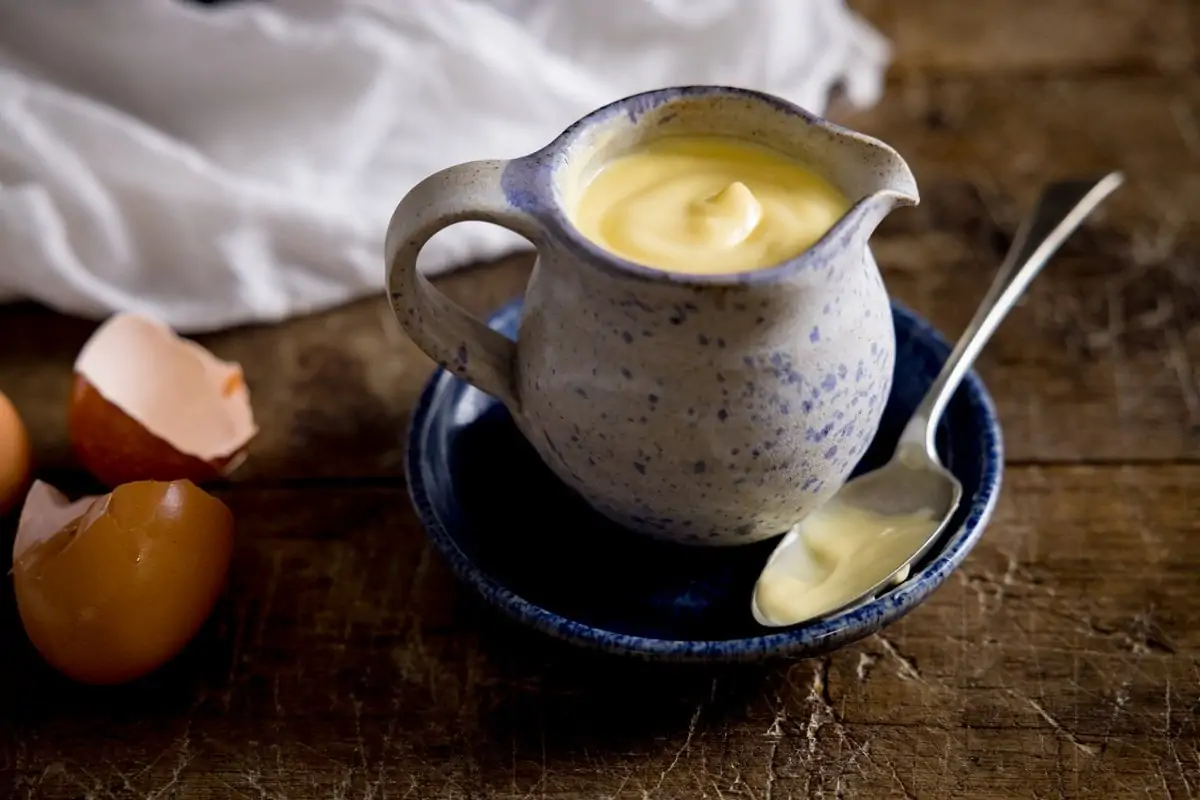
(1063, 659)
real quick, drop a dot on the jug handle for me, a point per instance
(459, 342)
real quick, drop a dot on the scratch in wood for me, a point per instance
(96, 784)
(906, 666)
(992, 591)
(775, 729)
(342, 790)
(1162, 778)
(360, 743)
(713, 783)
(978, 585)
(1156, 318)
(1187, 785)
(818, 696)
(1177, 359)
(1083, 747)
(620, 787)
(33, 785)
(1140, 636)
(687, 743)
(740, 784)
(182, 760)
(944, 777)
(536, 786)
(1169, 738)
(866, 660)
(545, 769)
(769, 789)
(908, 795)
(1167, 707)
(235, 791)
(856, 750)
(124, 776)
(1149, 247)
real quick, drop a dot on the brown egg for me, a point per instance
(111, 588)
(148, 405)
(14, 456)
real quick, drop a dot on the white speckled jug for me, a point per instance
(707, 409)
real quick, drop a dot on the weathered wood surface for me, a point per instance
(1063, 660)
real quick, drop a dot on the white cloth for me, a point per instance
(219, 165)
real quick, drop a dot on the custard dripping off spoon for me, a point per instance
(913, 497)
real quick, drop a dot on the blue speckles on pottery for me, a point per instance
(531, 547)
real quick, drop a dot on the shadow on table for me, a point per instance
(529, 695)
(435, 671)
(554, 697)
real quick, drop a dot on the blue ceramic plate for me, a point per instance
(537, 552)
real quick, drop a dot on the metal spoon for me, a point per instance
(914, 480)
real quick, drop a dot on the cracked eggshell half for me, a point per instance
(150, 405)
(110, 588)
(46, 512)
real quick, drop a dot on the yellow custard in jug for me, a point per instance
(706, 205)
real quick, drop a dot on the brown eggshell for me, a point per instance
(45, 513)
(116, 449)
(15, 456)
(121, 588)
(149, 405)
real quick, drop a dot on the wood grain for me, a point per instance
(1036, 36)
(1109, 336)
(1061, 659)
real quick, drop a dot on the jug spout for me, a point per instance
(875, 178)
(896, 183)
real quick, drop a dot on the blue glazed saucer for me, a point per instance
(537, 552)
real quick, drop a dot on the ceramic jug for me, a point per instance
(703, 409)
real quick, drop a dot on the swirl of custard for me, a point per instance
(706, 205)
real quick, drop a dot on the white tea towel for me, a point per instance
(218, 165)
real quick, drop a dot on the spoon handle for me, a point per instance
(1061, 209)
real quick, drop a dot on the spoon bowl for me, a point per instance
(909, 485)
(914, 485)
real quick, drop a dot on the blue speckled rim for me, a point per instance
(528, 185)
(808, 639)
